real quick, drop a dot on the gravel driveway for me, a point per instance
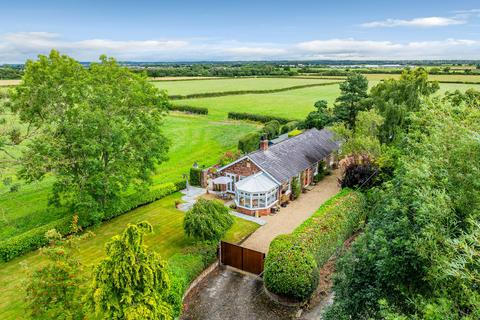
(287, 219)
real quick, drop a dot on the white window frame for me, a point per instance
(264, 200)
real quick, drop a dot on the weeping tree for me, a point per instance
(132, 281)
(207, 220)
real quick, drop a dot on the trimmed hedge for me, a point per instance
(188, 109)
(289, 126)
(195, 176)
(257, 117)
(249, 142)
(272, 129)
(35, 238)
(239, 92)
(292, 263)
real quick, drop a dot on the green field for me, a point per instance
(295, 104)
(437, 77)
(168, 239)
(193, 139)
(219, 85)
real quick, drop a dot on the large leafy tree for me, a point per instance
(418, 258)
(98, 130)
(396, 99)
(353, 93)
(132, 281)
(319, 118)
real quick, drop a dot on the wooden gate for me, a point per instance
(241, 258)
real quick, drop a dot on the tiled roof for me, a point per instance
(288, 158)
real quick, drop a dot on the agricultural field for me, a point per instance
(437, 77)
(230, 84)
(168, 239)
(295, 104)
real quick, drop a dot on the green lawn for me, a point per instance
(219, 85)
(168, 239)
(194, 138)
(294, 104)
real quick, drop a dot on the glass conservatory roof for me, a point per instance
(259, 182)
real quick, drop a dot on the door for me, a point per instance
(231, 184)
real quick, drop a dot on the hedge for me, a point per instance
(292, 263)
(289, 126)
(249, 142)
(188, 109)
(272, 129)
(239, 92)
(35, 238)
(195, 176)
(257, 117)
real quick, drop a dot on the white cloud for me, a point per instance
(17, 47)
(417, 22)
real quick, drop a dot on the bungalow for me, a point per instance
(263, 179)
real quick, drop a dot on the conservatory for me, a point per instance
(256, 192)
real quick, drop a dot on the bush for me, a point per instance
(272, 129)
(360, 174)
(289, 126)
(207, 220)
(292, 270)
(321, 172)
(188, 109)
(294, 133)
(291, 266)
(249, 142)
(296, 188)
(195, 176)
(35, 238)
(257, 117)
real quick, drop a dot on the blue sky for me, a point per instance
(240, 30)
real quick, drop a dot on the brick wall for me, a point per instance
(242, 168)
(260, 212)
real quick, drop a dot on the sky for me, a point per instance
(240, 30)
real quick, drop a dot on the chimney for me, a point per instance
(264, 143)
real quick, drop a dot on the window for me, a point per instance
(258, 200)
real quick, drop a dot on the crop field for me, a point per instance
(229, 84)
(437, 77)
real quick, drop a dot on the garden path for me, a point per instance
(287, 219)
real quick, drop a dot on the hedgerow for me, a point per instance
(289, 126)
(272, 129)
(292, 263)
(188, 109)
(35, 238)
(257, 117)
(249, 142)
(195, 176)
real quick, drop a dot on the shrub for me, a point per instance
(321, 172)
(291, 266)
(257, 117)
(188, 109)
(289, 126)
(195, 176)
(292, 271)
(359, 174)
(294, 133)
(207, 220)
(249, 142)
(272, 129)
(296, 188)
(228, 157)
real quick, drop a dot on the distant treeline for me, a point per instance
(207, 70)
(10, 73)
(347, 71)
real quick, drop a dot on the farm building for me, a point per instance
(262, 180)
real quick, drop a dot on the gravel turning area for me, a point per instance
(287, 219)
